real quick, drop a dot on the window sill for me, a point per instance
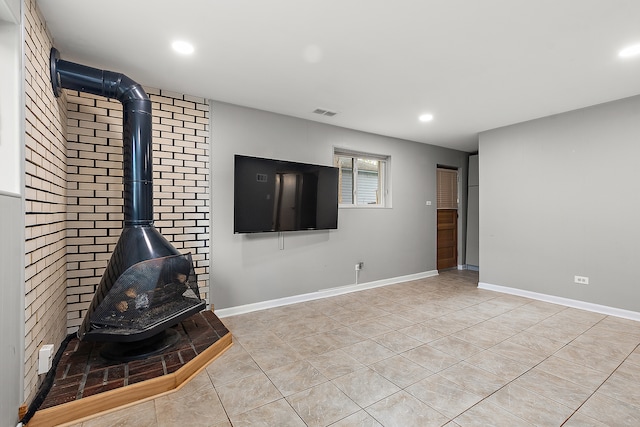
(363, 207)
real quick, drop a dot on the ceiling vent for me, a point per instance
(324, 112)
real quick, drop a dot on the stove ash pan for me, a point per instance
(146, 299)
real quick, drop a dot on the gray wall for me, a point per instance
(473, 219)
(11, 307)
(559, 197)
(391, 242)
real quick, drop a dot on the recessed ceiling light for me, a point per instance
(426, 117)
(182, 47)
(630, 51)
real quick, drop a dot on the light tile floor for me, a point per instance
(430, 352)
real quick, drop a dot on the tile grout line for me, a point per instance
(601, 384)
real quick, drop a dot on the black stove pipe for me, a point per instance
(137, 147)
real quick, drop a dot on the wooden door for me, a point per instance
(447, 219)
(447, 238)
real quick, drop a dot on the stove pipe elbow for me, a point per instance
(137, 145)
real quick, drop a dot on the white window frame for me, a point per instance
(384, 179)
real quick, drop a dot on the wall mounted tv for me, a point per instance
(276, 195)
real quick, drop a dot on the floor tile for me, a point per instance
(422, 333)
(370, 328)
(272, 356)
(323, 324)
(455, 347)
(557, 331)
(313, 345)
(634, 357)
(530, 406)
(359, 419)
(539, 345)
(502, 367)
(444, 325)
(481, 336)
(618, 324)
(404, 410)
(343, 337)
(349, 316)
(295, 377)
(518, 319)
(368, 352)
(199, 396)
(580, 420)
(545, 308)
(335, 364)
(629, 371)
(401, 371)
(517, 352)
(322, 405)
(616, 346)
(247, 393)
(579, 374)
(278, 413)
(574, 315)
(394, 321)
(486, 414)
(288, 332)
(365, 386)
(443, 395)
(622, 386)
(416, 315)
(232, 365)
(397, 342)
(559, 389)
(430, 358)
(474, 379)
(142, 414)
(610, 411)
(583, 356)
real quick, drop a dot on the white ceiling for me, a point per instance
(474, 64)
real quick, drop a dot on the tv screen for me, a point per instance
(276, 195)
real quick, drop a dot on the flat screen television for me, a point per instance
(277, 195)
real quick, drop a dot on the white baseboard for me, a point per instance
(597, 308)
(323, 293)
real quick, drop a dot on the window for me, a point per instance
(362, 179)
(447, 188)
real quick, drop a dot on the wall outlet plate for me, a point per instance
(45, 357)
(581, 280)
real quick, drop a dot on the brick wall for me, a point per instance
(45, 200)
(94, 175)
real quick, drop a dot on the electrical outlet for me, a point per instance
(359, 266)
(581, 280)
(45, 357)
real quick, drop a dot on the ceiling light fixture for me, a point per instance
(182, 47)
(630, 51)
(426, 117)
